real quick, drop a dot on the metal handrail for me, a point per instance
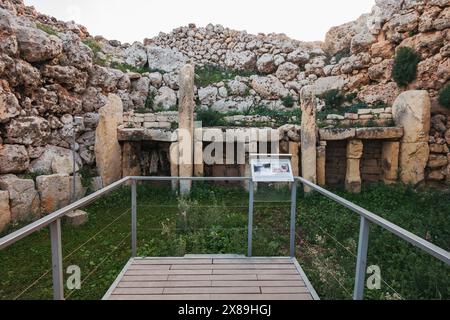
(54, 220)
(364, 229)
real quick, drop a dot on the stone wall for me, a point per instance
(438, 166)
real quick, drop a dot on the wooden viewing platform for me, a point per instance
(212, 277)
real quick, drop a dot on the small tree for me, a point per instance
(405, 66)
(444, 96)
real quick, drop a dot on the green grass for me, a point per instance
(47, 29)
(213, 220)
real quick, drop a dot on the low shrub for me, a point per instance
(332, 98)
(210, 117)
(405, 66)
(288, 101)
(209, 74)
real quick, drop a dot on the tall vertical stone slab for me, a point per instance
(108, 153)
(412, 111)
(5, 211)
(309, 138)
(353, 175)
(198, 153)
(174, 169)
(186, 125)
(389, 161)
(321, 163)
(131, 164)
(295, 161)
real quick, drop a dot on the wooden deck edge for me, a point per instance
(118, 279)
(308, 284)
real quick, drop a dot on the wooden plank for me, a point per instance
(144, 278)
(149, 267)
(294, 296)
(284, 290)
(253, 261)
(172, 261)
(162, 297)
(213, 277)
(234, 266)
(166, 272)
(279, 277)
(257, 283)
(166, 284)
(118, 291)
(255, 271)
(198, 290)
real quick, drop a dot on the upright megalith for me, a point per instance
(353, 175)
(412, 111)
(309, 138)
(186, 126)
(108, 153)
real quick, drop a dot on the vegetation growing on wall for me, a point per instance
(332, 98)
(288, 101)
(47, 29)
(444, 96)
(405, 66)
(210, 74)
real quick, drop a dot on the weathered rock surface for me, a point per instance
(167, 60)
(23, 197)
(55, 160)
(13, 158)
(5, 211)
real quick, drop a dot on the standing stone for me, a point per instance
(108, 153)
(353, 175)
(411, 110)
(174, 169)
(321, 163)
(5, 211)
(309, 139)
(77, 218)
(294, 151)
(389, 161)
(23, 197)
(198, 153)
(186, 126)
(131, 164)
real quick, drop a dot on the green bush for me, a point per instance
(204, 76)
(405, 66)
(288, 101)
(210, 118)
(333, 98)
(444, 96)
(93, 45)
(124, 67)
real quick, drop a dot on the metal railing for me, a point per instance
(54, 221)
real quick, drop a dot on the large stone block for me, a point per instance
(108, 153)
(309, 139)
(413, 160)
(5, 211)
(411, 110)
(23, 197)
(55, 160)
(389, 160)
(55, 191)
(13, 158)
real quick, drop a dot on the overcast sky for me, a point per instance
(134, 20)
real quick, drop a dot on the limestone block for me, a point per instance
(309, 139)
(5, 211)
(413, 160)
(389, 160)
(77, 218)
(108, 153)
(321, 165)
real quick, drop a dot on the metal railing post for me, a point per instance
(250, 219)
(293, 217)
(133, 218)
(57, 268)
(360, 277)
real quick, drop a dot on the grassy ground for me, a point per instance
(214, 220)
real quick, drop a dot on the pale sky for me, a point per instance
(134, 20)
